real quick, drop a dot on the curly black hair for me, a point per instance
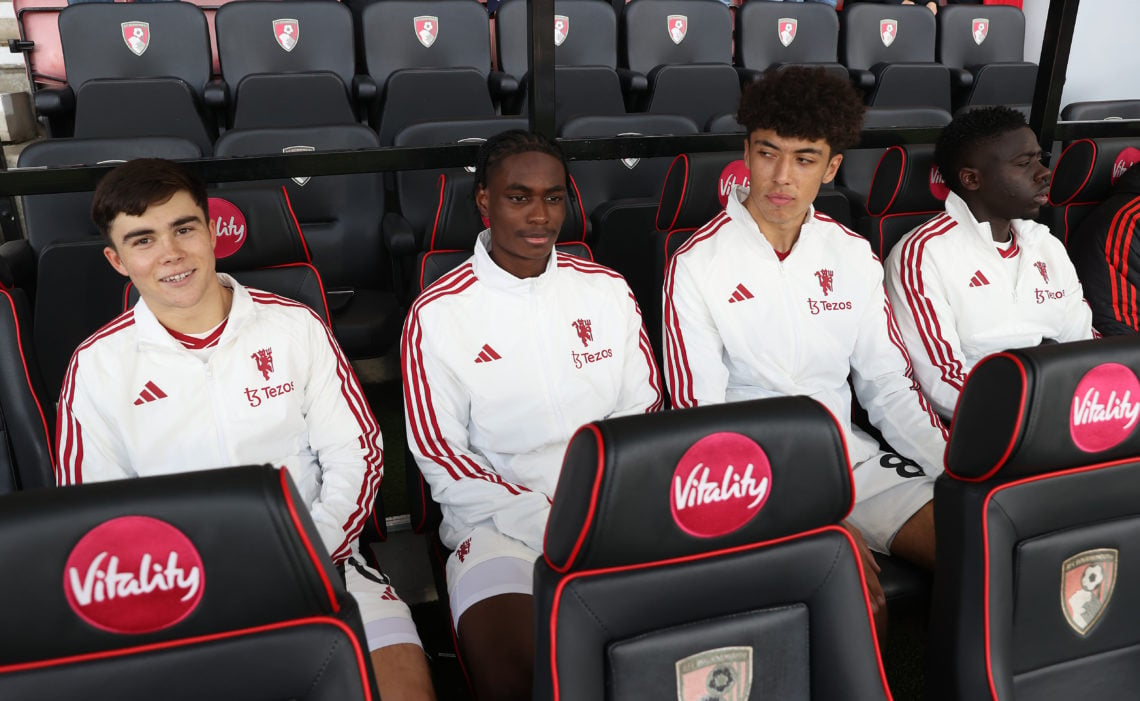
(509, 143)
(967, 132)
(804, 103)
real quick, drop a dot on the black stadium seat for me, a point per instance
(26, 416)
(678, 59)
(770, 35)
(431, 60)
(134, 70)
(889, 52)
(290, 64)
(659, 583)
(244, 602)
(340, 216)
(1101, 109)
(1037, 522)
(983, 47)
(1082, 178)
(907, 192)
(585, 34)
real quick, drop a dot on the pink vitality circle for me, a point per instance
(231, 228)
(133, 605)
(1104, 398)
(735, 173)
(702, 501)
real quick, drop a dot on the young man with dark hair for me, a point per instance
(504, 359)
(165, 388)
(983, 276)
(774, 298)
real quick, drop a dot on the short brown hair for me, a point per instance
(136, 185)
(804, 103)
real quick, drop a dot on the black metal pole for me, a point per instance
(540, 45)
(1055, 46)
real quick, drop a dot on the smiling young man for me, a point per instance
(983, 277)
(165, 388)
(774, 298)
(504, 359)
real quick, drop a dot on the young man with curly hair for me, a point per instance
(774, 298)
(982, 276)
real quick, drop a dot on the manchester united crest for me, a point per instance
(137, 36)
(981, 29)
(723, 674)
(585, 333)
(786, 28)
(826, 280)
(888, 30)
(561, 29)
(303, 179)
(1040, 265)
(427, 29)
(1087, 582)
(264, 360)
(287, 32)
(678, 27)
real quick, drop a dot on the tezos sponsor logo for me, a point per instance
(1044, 296)
(735, 173)
(819, 306)
(230, 225)
(720, 484)
(133, 574)
(1106, 407)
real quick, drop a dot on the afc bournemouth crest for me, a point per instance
(678, 27)
(888, 30)
(981, 29)
(137, 36)
(723, 674)
(304, 179)
(427, 29)
(561, 29)
(787, 29)
(1087, 581)
(585, 333)
(287, 32)
(630, 163)
(264, 360)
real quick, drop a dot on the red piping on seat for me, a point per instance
(307, 543)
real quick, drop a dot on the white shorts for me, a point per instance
(487, 564)
(387, 619)
(889, 489)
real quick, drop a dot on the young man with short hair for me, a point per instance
(983, 276)
(774, 298)
(504, 359)
(165, 388)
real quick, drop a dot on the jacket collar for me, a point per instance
(739, 213)
(490, 274)
(152, 332)
(1027, 229)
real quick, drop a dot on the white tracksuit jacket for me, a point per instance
(739, 324)
(955, 305)
(499, 372)
(135, 403)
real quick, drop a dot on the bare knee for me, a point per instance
(915, 540)
(496, 639)
(402, 673)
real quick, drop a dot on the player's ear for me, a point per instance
(970, 179)
(832, 167)
(481, 200)
(116, 262)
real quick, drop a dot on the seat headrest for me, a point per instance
(1088, 168)
(256, 228)
(112, 565)
(689, 197)
(1048, 408)
(655, 487)
(907, 180)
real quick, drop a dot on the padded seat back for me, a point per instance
(768, 34)
(273, 42)
(874, 34)
(1083, 176)
(417, 95)
(907, 191)
(675, 32)
(1033, 593)
(121, 108)
(984, 48)
(1101, 109)
(585, 34)
(26, 429)
(129, 588)
(696, 552)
